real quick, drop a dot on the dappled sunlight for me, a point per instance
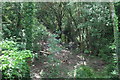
(59, 40)
(66, 61)
(82, 61)
(37, 75)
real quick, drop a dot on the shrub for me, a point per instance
(41, 34)
(84, 72)
(13, 61)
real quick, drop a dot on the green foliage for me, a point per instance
(87, 25)
(84, 72)
(86, 51)
(113, 47)
(53, 44)
(87, 20)
(13, 61)
(41, 34)
(11, 20)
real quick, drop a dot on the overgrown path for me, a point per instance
(67, 60)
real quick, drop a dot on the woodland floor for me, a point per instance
(67, 59)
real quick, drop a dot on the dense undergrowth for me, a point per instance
(14, 62)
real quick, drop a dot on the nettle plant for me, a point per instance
(13, 61)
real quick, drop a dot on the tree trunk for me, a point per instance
(116, 34)
(0, 21)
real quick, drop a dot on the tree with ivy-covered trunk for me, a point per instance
(117, 11)
(28, 12)
(116, 34)
(0, 24)
(28, 23)
(0, 21)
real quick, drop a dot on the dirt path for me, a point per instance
(66, 60)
